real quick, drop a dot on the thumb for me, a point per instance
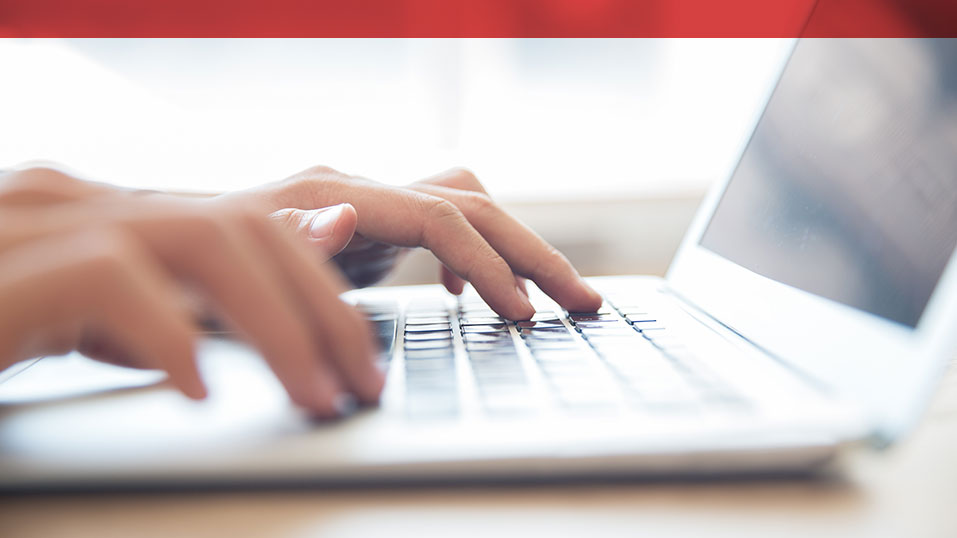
(328, 228)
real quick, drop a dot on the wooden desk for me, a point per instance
(909, 491)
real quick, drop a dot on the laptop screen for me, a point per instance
(848, 186)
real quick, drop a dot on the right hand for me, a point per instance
(100, 270)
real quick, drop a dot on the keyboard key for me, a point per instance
(488, 346)
(647, 326)
(678, 395)
(385, 307)
(632, 310)
(510, 378)
(584, 398)
(577, 368)
(427, 328)
(545, 316)
(495, 364)
(418, 354)
(622, 329)
(485, 329)
(603, 324)
(544, 324)
(375, 318)
(432, 320)
(384, 332)
(431, 381)
(559, 355)
(591, 317)
(505, 401)
(604, 309)
(426, 305)
(502, 353)
(438, 364)
(487, 313)
(546, 331)
(480, 320)
(552, 345)
(431, 407)
(428, 335)
(644, 316)
(415, 345)
(500, 337)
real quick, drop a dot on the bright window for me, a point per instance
(534, 118)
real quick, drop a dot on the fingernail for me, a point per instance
(324, 222)
(597, 296)
(524, 299)
(523, 290)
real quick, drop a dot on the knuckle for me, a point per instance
(480, 202)
(110, 256)
(550, 263)
(37, 180)
(468, 177)
(464, 173)
(109, 250)
(319, 185)
(438, 214)
(289, 219)
(43, 175)
(323, 170)
(440, 209)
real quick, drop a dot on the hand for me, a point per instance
(451, 215)
(332, 233)
(91, 267)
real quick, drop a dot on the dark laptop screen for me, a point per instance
(848, 187)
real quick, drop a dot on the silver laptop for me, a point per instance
(813, 304)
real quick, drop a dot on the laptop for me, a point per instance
(812, 306)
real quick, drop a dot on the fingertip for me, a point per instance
(452, 282)
(373, 387)
(593, 298)
(370, 380)
(321, 399)
(194, 389)
(349, 218)
(197, 392)
(524, 309)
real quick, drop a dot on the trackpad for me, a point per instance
(70, 407)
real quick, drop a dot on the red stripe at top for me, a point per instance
(477, 18)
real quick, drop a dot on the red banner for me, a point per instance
(478, 18)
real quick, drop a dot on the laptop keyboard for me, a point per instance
(622, 356)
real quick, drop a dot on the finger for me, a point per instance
(97, 345)
(525, 251)
(106, 281)
(343, 333)
(451, 281)
(407, 218)
(460, 178)
(328, 229)
(456, 178)
(214, 251)
(522, 285)
(45, 186)
(463, 179)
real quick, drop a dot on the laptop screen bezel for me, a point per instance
(888, 367)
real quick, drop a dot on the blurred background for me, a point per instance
(603, 146)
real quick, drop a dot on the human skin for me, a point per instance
(101, 269)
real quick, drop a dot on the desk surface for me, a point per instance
(910, 490)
